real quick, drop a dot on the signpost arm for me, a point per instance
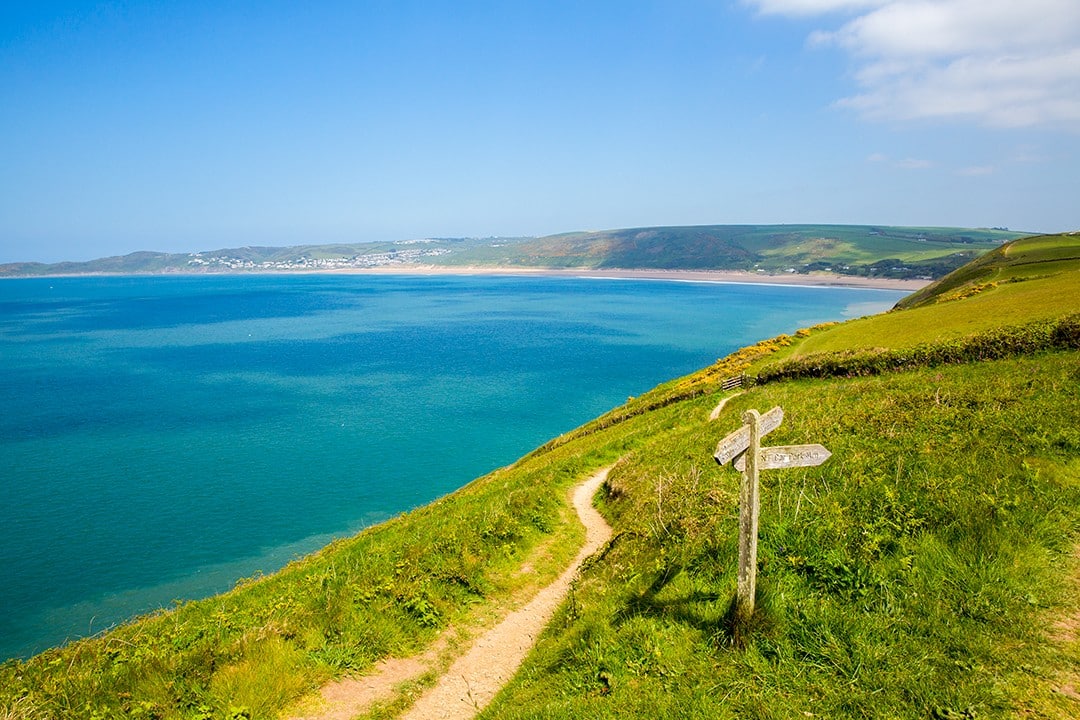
(749, 507)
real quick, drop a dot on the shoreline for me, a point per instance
(816, 279)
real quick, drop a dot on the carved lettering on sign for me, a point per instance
(786, 456)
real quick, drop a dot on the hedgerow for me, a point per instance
(996, 344)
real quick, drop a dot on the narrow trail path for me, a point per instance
(475, 677)
(1065, 631)
(716, 410)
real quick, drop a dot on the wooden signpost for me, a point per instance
(744, 447)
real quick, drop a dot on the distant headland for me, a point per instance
(856, 255)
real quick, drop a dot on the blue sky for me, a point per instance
(183, 126)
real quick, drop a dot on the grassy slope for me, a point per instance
(1018, 261)
(913, 575)
(910, 576)
(1029, 279)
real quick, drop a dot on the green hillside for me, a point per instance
(929, 569)
(1033, 258)
(880, 251)
(1029, 279)
(900, 252)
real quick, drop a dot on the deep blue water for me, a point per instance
(162, 437)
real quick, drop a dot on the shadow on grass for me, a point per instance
(701, 610)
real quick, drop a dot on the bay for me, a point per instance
(162, 437)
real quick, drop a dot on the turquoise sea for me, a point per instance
(162, 437)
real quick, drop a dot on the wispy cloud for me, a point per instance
(922, 164)
(914, 164)
(905, 164)
(811, 7)
(996, 62)
(1028, 154)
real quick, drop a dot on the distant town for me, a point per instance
(372, 260)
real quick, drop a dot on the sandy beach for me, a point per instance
(821, 279)
(816, 279)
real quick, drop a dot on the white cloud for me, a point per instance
(912, 29)
(1004, 63)
(922, 164)
(905, 164)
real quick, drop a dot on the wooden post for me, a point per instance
(743, 448)
(749, 508)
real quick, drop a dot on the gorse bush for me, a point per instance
(1066, 333)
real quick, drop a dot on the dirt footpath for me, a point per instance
(474, 678)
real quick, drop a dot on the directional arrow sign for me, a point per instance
(787, 456)
(738, 441)
(744, 446)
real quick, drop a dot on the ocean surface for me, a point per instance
(162, 437)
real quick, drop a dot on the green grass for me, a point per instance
(912, 575)
(1025, 259)
(1030, 279)
(917, 573)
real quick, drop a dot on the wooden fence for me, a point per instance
(736, 381)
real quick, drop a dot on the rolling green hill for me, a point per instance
(901, 252)
(895, 252)
(1033, 258)
(929, 569)
(1027, 280)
